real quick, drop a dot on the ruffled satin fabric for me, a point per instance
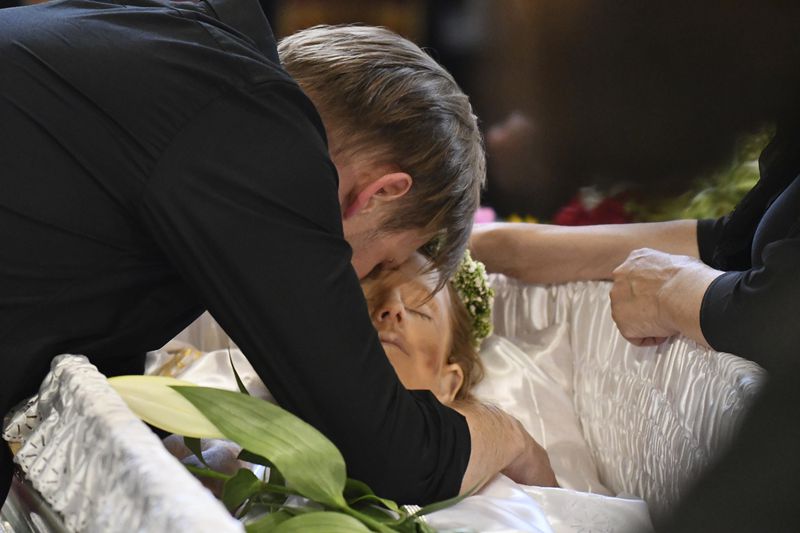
(99, 466)
(622, 425)
(653, 417)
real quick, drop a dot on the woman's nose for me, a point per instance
(392, 309)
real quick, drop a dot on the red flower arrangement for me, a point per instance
(589, 206)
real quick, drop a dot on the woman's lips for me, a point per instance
(394, 340)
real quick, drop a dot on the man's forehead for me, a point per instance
(418, 268)
(414, 272)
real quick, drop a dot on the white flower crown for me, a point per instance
(472, 285)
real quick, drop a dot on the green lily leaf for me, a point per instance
(444, 504)
(251, 457)
(413, 525)
(194, 446)
(267, 523)
(240, 487)
(207, 472)
(153, 399)
(310, 463)
(377, 513)
(275, 476)
(254, 458)
(239, 382)
(321, 522)
(356, 491)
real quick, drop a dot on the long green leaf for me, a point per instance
(153, 399)
(416, 525)
(267, 523)
(309, 462)
(196, 448)
(275, 476)
(251, 457)
(321, 522)
(240, 487)
(356, 491)
(444, 504)
(239, 382)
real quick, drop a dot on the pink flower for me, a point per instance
(484, 215)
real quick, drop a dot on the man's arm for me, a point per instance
(245, 205)
(539, 253)
(501, 444)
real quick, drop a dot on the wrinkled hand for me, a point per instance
(656, 295)
(532, 466)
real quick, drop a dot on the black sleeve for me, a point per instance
(245, 204)
(753, 313)
(709, 232)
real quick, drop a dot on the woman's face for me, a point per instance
(415, 329)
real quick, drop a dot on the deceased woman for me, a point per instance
(431, 338)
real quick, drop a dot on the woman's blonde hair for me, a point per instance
(383, 98)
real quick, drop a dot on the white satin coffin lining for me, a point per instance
(653, 417)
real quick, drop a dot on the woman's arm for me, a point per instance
(539, 253)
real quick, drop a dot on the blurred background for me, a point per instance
(580, 125)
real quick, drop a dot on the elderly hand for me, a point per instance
(657, 295)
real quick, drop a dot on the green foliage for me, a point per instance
(239, 488)
(357, 492)
(268, 522)
(239, 382)
(154, 401)
(303, 463)
(194, 446)
(322, 522)
(712, 196)
(311, 464)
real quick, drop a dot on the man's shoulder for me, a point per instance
(218, 42)
(146, 66)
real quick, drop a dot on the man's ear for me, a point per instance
(387, 188)
(450, 382)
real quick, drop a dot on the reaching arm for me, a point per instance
(253, 228)
(538, 253)
(501, 444)
(656, 295)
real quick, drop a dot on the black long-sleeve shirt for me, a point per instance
(155, 161)
(751, 309)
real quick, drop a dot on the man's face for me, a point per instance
(373, 248)
(374, 189)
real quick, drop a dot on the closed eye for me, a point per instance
(420, 314)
